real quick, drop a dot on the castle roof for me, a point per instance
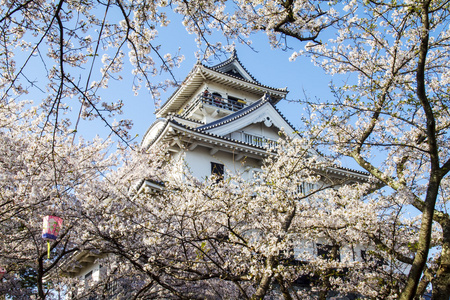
(229, 73)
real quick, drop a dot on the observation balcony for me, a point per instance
(214, 102)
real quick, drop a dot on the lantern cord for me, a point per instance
(48, 249)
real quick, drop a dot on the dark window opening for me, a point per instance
(88, 276)
(326, 252)
(217, 170)
(222, 237)
(235, 102)
(305, 280)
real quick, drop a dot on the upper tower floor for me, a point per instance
(211, 93)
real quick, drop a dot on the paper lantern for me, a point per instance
(51, 227)
(2, 272)
(50, 230)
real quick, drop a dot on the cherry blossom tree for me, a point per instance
(233, 238)
(67, 50)
(394, 107)
(397, 109)
(42, 170)
(70, 50)
(391, 117)
(55, 48)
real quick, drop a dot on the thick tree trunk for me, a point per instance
(264, 284)
(419, 261)
(40, 276)
(428, 275)
(423, 246)
(441, 285)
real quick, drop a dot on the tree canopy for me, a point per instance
(391, 117)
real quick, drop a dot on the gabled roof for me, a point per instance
(171, 128)
(233, 66)
(261, 111)
(233, 116)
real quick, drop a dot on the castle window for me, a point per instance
(235, 103)
(326, 252)
(217, 170)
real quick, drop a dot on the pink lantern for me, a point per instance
(2, 272)
(51, 227)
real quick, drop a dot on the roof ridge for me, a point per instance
(199, 130)
(234, 57)
(246, 80)
(202, 131)
(248, 109)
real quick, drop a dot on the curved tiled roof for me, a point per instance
(202, 131)
(243, 112)
(234, 116)
(352, 170)
(246, 80)
(166, 121)
(199, 130)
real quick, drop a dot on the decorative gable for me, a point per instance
(233, 67)
(259, 121)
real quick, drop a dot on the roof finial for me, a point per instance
(234, 53)
(266, 97)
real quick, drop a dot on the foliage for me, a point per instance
(68, 50)
(391, 118)
(235, 238)
(42, 169)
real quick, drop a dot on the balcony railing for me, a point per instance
(233, 105)
(213, 100)
(259, 141)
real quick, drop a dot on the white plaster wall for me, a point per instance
(85, 282)
(262, 130)
(95, 268)
(199, 162)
